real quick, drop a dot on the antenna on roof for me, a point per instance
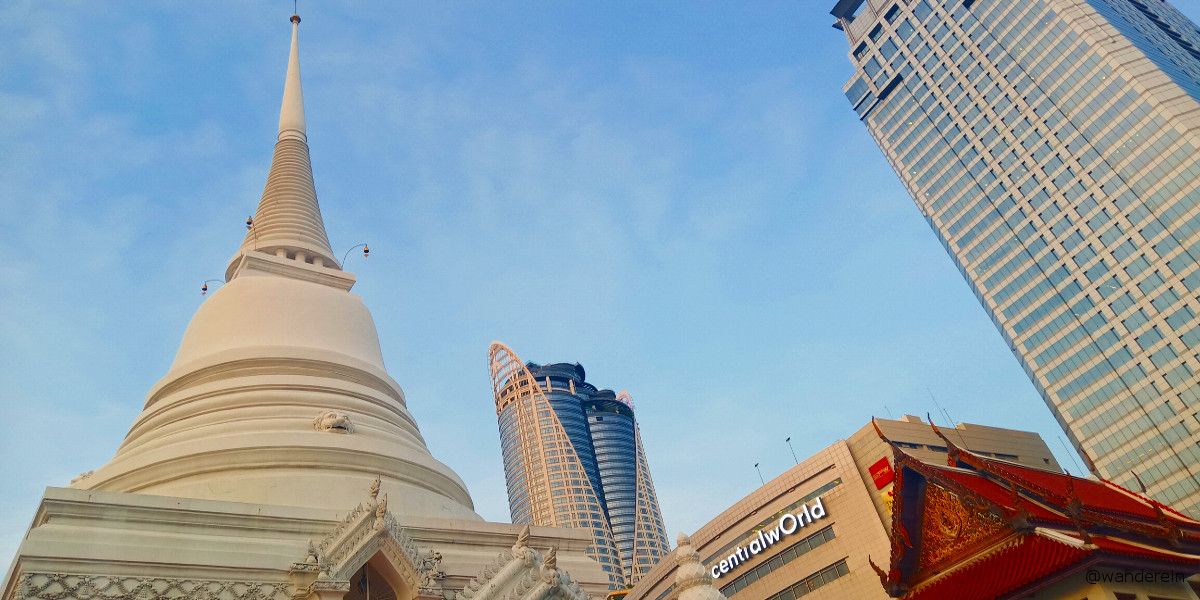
(949, 421)
(1073, 455)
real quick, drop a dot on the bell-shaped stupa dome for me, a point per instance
(278, 394)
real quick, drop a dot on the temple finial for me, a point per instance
(291, 114)
(288, 221)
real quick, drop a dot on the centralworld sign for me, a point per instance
(788, 524)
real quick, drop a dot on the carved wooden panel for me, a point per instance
(953, 526)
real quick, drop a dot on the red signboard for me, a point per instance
(881, 473)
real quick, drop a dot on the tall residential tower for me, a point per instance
(1051, 145)
(573, 457)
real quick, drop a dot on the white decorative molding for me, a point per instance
(430, 573)
(523, 574)
(332, 420)
(368, 530)
(66, 586)
(253, 262)
(346, 536)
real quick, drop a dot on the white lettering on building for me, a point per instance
(788, 524)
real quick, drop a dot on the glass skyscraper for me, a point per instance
(1051, 145)
(611, 426)
(573, 457)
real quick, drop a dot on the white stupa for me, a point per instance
(692, 579)
(277, 458)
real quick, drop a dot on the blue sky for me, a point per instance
(675, 194)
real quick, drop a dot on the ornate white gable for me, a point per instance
(523, 573)
(368, 531)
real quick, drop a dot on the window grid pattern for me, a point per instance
(1068, 202)
(649, 533)
(811, 583)
(549, 485)
(784, 557)
(632, 505)
(773, 520)
(611, 424)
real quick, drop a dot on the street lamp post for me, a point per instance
(204, 286)
(366, 253)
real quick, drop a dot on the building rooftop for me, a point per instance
(1006, 526)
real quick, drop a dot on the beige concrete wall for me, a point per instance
(856, 510)
(858, 530)
(1027, 447)
(121, 535)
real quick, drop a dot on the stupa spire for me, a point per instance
(291, 114)
(288, 221)
(278, 394)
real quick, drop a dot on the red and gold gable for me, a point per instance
(954, 526)
(985, 528)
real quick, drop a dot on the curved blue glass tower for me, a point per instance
(612, 429)
(573, 458)
(564, 386)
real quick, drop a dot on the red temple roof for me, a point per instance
(987, 528)
(1005, 568)
(1101, 495)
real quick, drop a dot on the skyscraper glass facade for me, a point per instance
(566, 390)
(573, 457)
(612, 429)
(1051, 145)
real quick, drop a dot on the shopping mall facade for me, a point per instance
(811, 531)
